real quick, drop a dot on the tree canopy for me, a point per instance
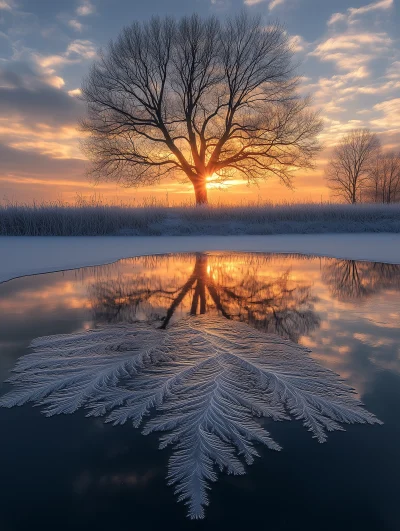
(195, 98)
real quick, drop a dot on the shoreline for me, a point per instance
(31, 255)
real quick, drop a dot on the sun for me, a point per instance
(213, 182)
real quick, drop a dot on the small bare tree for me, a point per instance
(350, 280)
(347, 170)
(383, 184)
(197, 98)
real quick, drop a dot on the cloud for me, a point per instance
(50, 61)
(353, 42)
(32, 163)
(336, 17)
(332, 94)
(275, 3)
(30, 94)
(76, 25)
(251, 2)
(350, 51)
(47, 104)
(335, 129)
(81, 48)
(38, 68)
(86, 8)
(390, 119)
(297, 43)
(343, 87)
(26, 74)
(272, 4)
(77, 51)
(39, 130)
(393, 72)
(353, 12)
(37, 116)
(7, 5)
(52, 149)
(56, 141)
(75, 92)
(4, 36)
(360, 53)
(221, 4)
(382, 4)
(351, 100)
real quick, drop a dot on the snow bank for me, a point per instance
(22, 255)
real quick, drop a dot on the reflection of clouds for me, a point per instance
(367, 308)
(389, 364)
(355, 347)
(373, 341)
(46, 299)
(30, 305)
(39, 305)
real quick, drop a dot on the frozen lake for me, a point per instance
(247, 351)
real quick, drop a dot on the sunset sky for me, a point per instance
(349, 54)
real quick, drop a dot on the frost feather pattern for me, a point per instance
(206, 379)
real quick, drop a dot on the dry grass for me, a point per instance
(95, 217)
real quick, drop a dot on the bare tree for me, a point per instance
(351, 280)
(197, 98)
(383, 184)
(347, 171)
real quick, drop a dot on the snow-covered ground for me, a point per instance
(97, 219)
(22, 255)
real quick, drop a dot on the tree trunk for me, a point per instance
(200, 191)
(200, 273)
(353, 195)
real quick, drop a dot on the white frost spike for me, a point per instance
(206, 378)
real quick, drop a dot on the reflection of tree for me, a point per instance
(216, 284)
(205, 380)
(349, 279)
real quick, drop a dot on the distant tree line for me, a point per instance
(360, 171)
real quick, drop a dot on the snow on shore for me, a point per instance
(22, 255)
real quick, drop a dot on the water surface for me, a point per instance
(70, 471)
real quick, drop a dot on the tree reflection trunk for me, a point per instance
(198, 280)
(200, 273)
(270, 304)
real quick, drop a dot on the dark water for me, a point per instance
(71, 472)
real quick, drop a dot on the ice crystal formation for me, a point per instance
(205, 381)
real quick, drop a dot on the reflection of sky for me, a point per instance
(355, 338)
(107, 474)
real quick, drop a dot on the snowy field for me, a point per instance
(30, 255)
(97, 219)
